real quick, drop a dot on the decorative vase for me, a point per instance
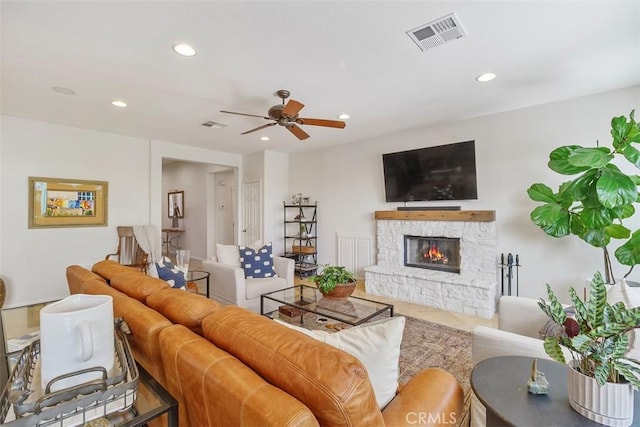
(342, 291)
(611, 404)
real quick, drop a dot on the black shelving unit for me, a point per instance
(301, 237)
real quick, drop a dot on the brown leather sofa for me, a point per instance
(228, 366)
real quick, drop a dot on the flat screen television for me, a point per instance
(443, 172)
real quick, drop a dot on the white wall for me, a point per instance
(511, 153)
(34, 260)
(276, 190)
(253, 167)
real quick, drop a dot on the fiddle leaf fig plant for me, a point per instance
(594, 204)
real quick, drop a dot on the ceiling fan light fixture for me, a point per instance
(264, 138)
(286, 115)
(118, 103)
(485, 77)
(183, 49)
(343, 116)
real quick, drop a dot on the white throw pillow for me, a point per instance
(230, 255)
(377, 345)
(631, 298)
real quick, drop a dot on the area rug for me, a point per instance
(426, 344)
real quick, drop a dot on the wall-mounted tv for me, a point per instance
(443, 172)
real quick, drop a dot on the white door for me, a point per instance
(252, 230)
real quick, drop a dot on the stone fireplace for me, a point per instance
(441, 259)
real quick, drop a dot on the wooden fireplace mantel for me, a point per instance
(445, 215)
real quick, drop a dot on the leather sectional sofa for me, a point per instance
(228, 366)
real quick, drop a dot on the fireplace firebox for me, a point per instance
(433, 253)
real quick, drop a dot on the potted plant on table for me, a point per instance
(593, 207)
(335, 282)
(598, 340)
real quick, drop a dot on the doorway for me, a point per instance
(252, 204)
(210, 198)
(223, 211)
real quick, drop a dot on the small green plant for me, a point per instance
(332, 276)
(597, 337)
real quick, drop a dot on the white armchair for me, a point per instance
(229, 285)
(519, 322)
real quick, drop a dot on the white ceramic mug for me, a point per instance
(76, 333)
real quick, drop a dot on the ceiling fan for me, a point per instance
(287, 115)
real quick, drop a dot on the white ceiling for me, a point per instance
(334, 56)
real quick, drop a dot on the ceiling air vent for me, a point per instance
(212, 124)
(437, 32)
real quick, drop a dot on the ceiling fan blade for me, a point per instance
(245, 114)
(297, 131)
(322, 122)
(259, 127)
(292, 108)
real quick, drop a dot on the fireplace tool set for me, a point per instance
(507, 269)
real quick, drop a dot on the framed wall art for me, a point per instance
(175, 204)
(61, 202)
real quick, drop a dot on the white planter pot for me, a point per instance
(611, 404)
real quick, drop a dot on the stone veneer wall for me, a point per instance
(472, 292)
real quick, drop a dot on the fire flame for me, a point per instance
(434, 255)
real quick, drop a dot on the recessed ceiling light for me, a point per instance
(343, 116)
(264, 138)
(120, 104)
(486, 77)
(63, 90)
(184, 49)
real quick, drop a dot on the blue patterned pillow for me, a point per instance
(170, 274)
(257, 264)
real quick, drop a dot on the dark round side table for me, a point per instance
(500, 383)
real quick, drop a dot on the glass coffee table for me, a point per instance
(302, 299)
